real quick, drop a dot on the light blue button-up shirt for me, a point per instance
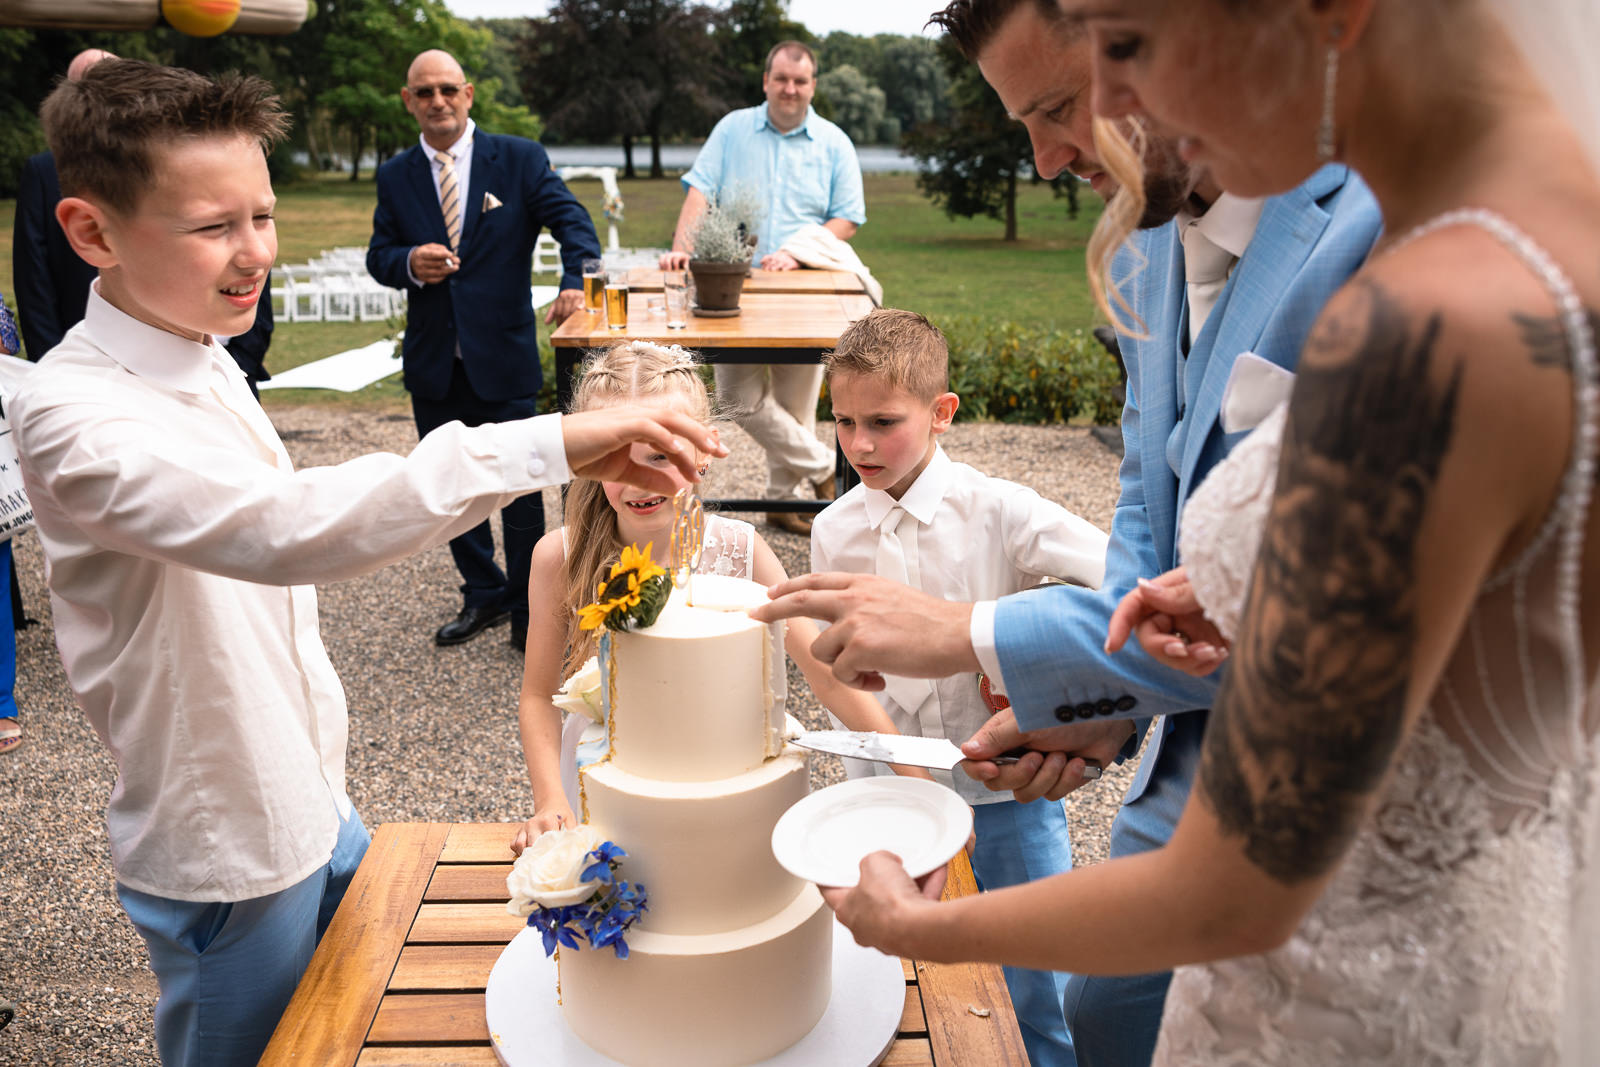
(809, 175)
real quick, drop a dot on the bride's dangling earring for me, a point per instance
(1326, 142)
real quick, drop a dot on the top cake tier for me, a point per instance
(692, 698)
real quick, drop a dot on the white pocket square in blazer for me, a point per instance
(490, 202)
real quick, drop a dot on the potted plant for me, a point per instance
(723, 239)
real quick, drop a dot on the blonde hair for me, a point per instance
(1123, 156)
(623, 374)
(900, 347)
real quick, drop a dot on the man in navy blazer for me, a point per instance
(471, 350)
(1046, 646)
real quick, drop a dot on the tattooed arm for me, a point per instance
(1396, 496)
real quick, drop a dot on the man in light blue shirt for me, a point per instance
(803, 170)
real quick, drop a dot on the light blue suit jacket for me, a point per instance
(1051, 640)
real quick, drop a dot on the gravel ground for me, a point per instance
(432, 735)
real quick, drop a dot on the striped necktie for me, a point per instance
(449, 199)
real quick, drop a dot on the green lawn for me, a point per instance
(939, 266)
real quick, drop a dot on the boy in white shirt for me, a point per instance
(181, 545)
(953, 532)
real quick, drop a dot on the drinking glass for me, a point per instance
(617, 305)
(656, 307)
(675, 287)
(594, 284)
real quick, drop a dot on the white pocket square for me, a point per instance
(1255, 388)
(490, 202)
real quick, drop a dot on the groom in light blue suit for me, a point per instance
(1049, 643)
(1276, 262)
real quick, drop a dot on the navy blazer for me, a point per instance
(486, 306)
(1050, 641)
(50, 282)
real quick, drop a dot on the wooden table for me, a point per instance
(648, 280)
(772, 327)
(399, 977)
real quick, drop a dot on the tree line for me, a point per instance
(638, 73)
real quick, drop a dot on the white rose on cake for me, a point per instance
(580, 694)
(548, 872)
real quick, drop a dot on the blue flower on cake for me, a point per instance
(566, 884)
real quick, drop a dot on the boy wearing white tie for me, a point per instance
(920, 518)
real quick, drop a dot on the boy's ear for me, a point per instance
(84, 223)
(944, 411)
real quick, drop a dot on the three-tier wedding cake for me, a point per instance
(732, 962)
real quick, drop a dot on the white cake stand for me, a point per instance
(527, 1028)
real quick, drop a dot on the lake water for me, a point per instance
(875, 159)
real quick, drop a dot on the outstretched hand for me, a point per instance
(881, 907)
(1057, 762)
(876, 627)
(1165, 616)
(600, 446)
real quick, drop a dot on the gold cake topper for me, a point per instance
(688, 534)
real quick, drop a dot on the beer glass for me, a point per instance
(594, 284)
(675, 287)
(617, 305)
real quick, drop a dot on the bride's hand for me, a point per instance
(554, 818)
(876, 910)
(1166, 618)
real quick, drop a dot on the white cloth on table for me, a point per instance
(820, 248)
(181, 549)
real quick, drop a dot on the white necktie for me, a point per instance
(897, 561)
(1205, 274)
(449, 199)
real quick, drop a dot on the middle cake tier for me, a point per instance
(703, 850)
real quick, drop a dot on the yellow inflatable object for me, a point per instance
(200, 18)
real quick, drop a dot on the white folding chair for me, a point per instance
(339, 295)
(546, 255)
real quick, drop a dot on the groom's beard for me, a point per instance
(1168, 183)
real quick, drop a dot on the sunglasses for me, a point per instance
(447, 91)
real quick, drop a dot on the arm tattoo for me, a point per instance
(1312, 711)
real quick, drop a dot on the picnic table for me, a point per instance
(399, 977)
(771, 327)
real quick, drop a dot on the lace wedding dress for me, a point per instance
(1453, 928)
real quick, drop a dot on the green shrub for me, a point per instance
(1011, 373)
(1006, 372)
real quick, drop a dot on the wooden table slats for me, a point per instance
(765, 321)
(398, 981)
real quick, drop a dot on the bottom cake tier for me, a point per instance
(708, 1000)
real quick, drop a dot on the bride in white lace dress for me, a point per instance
(1370, 559)
(1390, 854)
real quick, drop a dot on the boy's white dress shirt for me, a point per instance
(181, 547)
(977, 538)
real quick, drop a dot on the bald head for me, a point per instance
(439, 97)
(84, 60)
(433, 61)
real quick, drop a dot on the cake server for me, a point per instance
(936, 752)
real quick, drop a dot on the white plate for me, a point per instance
(824, 837)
